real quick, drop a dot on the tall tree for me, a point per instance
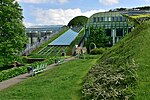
(12, 31)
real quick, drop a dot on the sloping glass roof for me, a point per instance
(65, 39)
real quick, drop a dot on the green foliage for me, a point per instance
(6, 74)
(138, 19)
(92, 46)
(97, 51)
(10, 73)
(88, 56)
(12, 31)
(98, 37)
(78, 21)
(69, 49)
(116, 75)
(108, 83)
(63, 82)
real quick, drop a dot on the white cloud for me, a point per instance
(43, 1)
(108, 2)
(28, 24)
(59, 16)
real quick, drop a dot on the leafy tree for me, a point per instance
(78, 21)
(98, 37)
(143, 8)
(12, 31)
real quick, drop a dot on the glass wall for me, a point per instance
(110, 21)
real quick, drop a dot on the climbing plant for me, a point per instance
(97, 36)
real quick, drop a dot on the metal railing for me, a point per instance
(37, 44)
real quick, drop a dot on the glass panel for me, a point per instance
(94, 19)
(117, 18)
(109, 18)
(120, 18)
(108, 32)
(102, 19)
(119, 32)
(65, 39)
(105, 18)
(98, 19)
(113, 19)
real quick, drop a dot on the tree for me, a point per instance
(98, 37)
(12, 31)
(78, 21)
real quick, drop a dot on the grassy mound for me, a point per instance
(123, 71)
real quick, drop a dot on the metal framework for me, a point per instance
(114, 23)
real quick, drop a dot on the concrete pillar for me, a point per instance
(117, 39)
(123, 32)
(114, 35)
(31, 37)
(127, 31)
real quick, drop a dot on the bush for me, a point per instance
(97, 51)
(10, 73)
(104, 82)
(6, 74)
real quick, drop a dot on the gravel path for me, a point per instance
(17, 79)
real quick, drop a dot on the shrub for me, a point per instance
(107, 82)
(97, 51)
(6, 74)
(9, 73)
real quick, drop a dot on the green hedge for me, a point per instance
(97, 51)
(6, 74)
(10, 73)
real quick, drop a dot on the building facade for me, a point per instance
(114, 23)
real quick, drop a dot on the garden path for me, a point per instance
(17, 79)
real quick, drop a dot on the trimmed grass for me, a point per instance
(143, 59)
(64, 82)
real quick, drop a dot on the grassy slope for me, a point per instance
(134, 46)
(137, 44)
(142, 57)
(60, 83)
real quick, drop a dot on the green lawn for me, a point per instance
(64, 82)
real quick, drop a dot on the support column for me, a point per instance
(31, 37)
(123, 33)
(127, 30)
(114, 35)
(117, 39)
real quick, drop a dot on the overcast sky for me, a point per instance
(60, 12)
